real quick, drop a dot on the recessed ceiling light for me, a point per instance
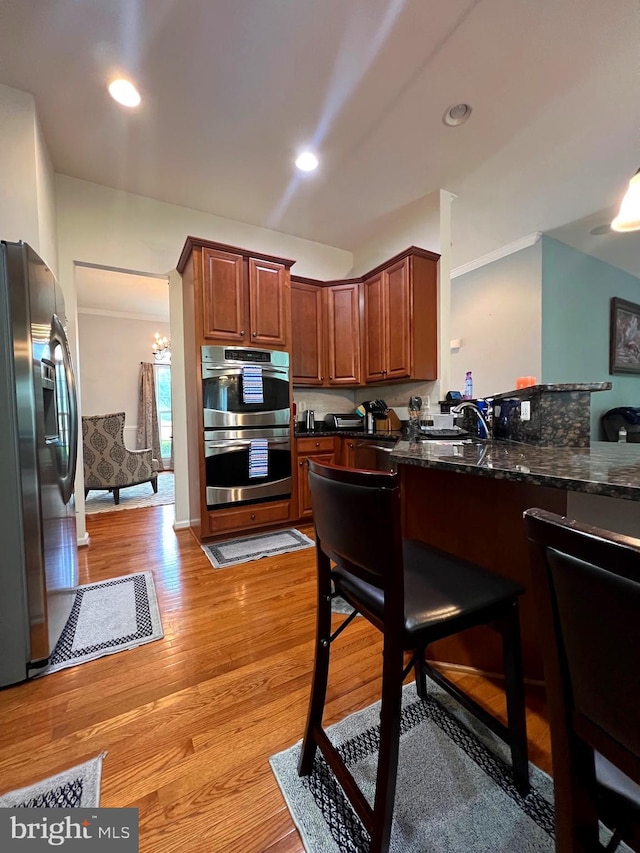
(456, 114)
(307, 161)
(124, 93)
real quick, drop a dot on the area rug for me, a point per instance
(454, 791)
(108, 617)
(133, 497)
(78, 787)
(234, 551)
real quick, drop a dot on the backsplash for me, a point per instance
(323, 401)
(334, 400)
(559, 415)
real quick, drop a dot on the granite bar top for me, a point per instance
(605, 468)
(555, 386)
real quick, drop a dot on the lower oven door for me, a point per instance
(247, 466)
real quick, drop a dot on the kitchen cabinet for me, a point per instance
(342, 312)
(237, 298)
(240, 297)
(307, 333)
(325, 348)
(321, 449)
(400, 319)
(378, 328)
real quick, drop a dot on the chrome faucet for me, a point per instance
(484, 430)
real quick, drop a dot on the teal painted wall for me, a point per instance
(576, 297)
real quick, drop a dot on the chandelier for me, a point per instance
(161, 348)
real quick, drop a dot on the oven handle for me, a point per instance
(227, 444)
(277, 372)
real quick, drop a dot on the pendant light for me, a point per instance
(628, 219)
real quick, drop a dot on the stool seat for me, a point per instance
(440, 590)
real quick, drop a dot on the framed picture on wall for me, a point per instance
(624, 351)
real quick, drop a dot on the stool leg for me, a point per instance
(514, 686)
(321, 665)
(389, 744)
(421, 678)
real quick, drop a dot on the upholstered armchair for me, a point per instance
(108, 464)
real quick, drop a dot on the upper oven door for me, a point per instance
(224, 394)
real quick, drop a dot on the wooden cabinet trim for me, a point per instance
(192, 243)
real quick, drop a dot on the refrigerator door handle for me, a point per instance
(59, 339)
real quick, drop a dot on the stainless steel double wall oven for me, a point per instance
(247, 441)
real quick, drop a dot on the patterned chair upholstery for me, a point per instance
(108, 464)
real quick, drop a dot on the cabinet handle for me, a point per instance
(253, 517)
(331, 377)
(317, 444)
(301, 463)
(242, 333)
(322, 378)
(255, 334)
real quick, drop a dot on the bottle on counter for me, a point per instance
(426, 418)
(468, 386)
(622, 434)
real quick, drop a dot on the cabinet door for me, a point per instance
(224, 297)
(397, 321)
(307, 334)
(348, 452)
(342, 311)
(304, 492)
(268, 303)
(374, 328)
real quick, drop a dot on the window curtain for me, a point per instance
(148, 431)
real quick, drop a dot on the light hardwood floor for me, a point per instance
(190, 721)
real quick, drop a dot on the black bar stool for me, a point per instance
(414, 595)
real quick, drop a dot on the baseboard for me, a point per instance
(472, 670)
(84, 540)
(181, 525)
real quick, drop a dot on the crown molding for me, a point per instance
(123, 315)
(502, 252)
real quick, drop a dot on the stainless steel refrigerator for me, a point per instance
(38, 446)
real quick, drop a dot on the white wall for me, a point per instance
(111, 228)
(26, 189)
(416, 224)
(496, 313)
(111, 349)
(45, 187)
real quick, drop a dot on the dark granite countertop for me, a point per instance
(605, 468)
(555, 386)
(348, 433)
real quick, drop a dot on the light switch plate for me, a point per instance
(525, 410)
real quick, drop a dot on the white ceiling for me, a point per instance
(232, 88)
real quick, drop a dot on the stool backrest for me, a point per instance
(357, 520)
(587, 587)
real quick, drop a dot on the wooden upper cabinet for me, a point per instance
(342, 311)
(307, 334)
(269, 301)
(238, 297)
(374, 328)
(224, 297)
(401, 319)
(397, 321)
(325, 333)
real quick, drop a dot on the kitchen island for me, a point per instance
(468, 499)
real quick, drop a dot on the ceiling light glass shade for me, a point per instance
(629, 217)
(307, 161)
(124, 93)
